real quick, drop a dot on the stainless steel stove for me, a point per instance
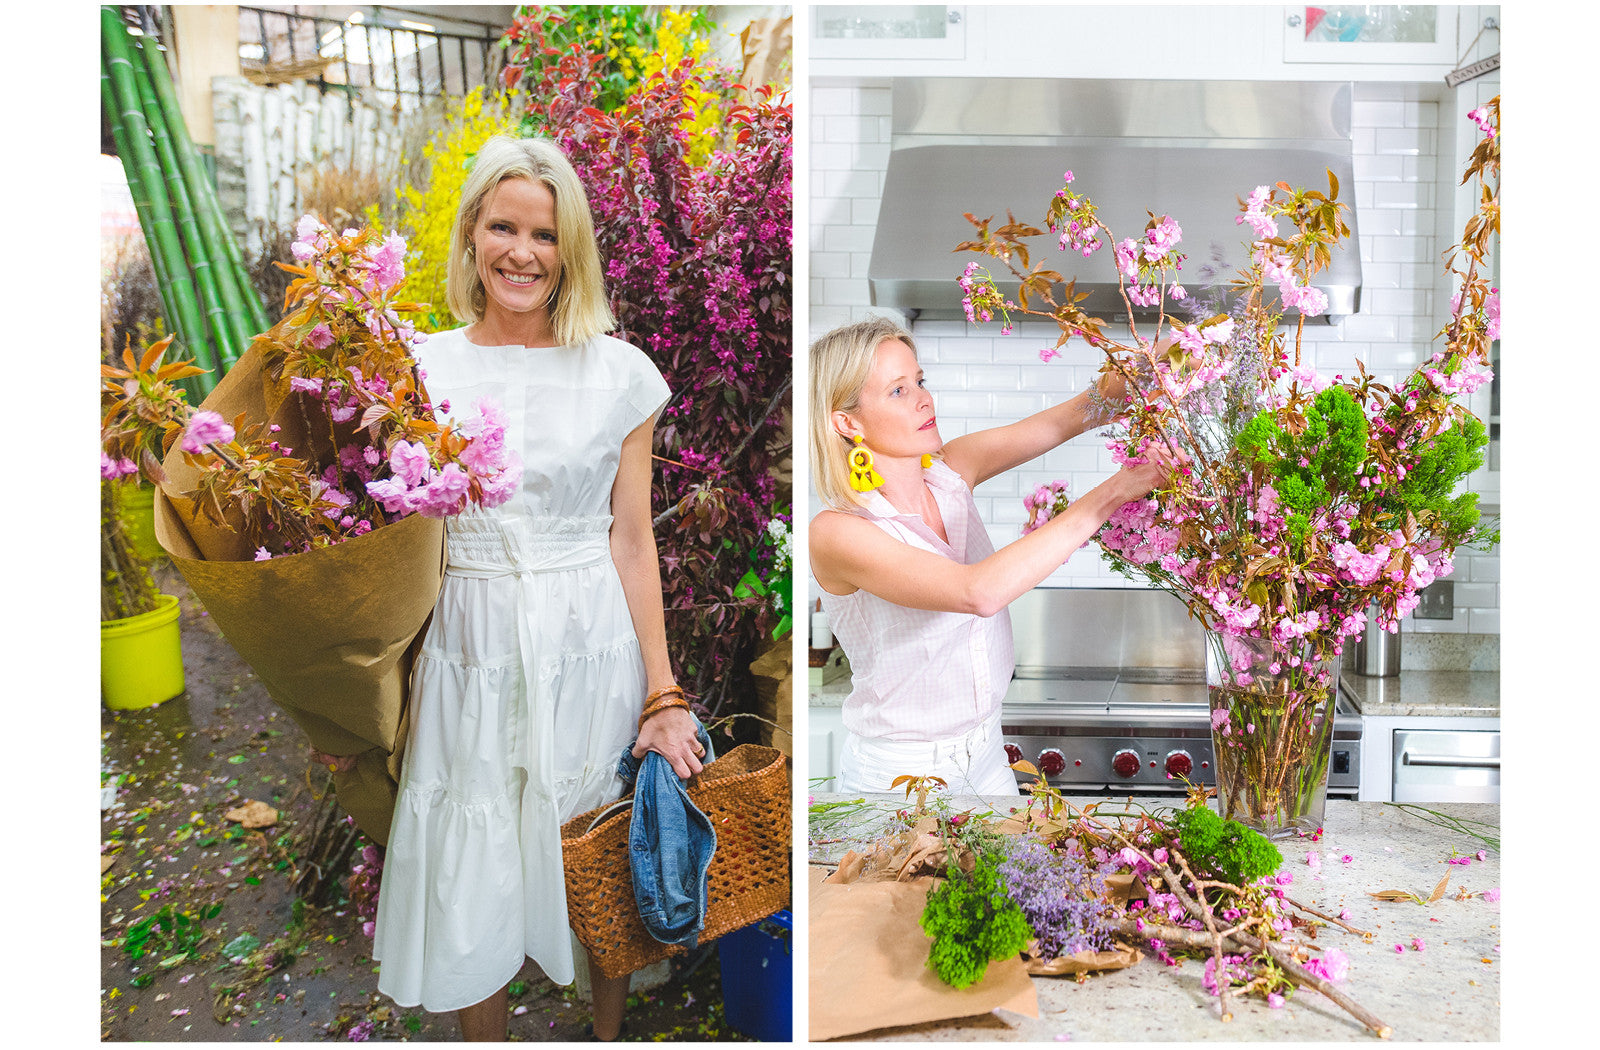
(1109, 695)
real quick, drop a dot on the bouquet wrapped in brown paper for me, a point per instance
(303, 501)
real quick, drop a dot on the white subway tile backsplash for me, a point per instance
(1402, 195)
(832, 101)
(838, 238)
(1374, 168)
(1404, 141)
(844, 291)
(981, 378)
(851, 129)
(965, 350)
(851, 184)
(1377, 113)
(830, 264)
(1376, 274)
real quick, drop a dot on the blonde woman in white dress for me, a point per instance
(915, 592)
(549, 632)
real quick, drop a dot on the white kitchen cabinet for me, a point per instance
(889, 32)
(825, 736)
(1380, 34)
(1107, 41)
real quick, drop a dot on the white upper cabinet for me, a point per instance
(1163, 42)
(890, 32)
(1387, 34)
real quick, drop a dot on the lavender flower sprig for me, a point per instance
(1062, 898)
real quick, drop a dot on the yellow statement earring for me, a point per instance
(862, 477)
(927, 460)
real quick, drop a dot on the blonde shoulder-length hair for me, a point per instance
(578, 307)
(840, 364)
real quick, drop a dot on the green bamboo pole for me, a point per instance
(161, 234)
(238, 294)
(141, 196)
(200, 265)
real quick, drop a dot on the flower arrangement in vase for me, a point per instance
(1303, 500)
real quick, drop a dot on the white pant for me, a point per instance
(972, 764)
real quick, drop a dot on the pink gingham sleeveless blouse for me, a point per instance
(918, 674)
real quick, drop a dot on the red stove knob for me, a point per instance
(1179, 764)
(1125, 763)
(1052, 763)
(1013, 753)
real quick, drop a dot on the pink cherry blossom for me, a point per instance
(206, 428)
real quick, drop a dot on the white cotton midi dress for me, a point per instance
(529, 681)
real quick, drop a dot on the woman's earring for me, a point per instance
(927, 460)
(862, 477)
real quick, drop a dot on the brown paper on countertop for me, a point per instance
(869, 963)
(330, 632)
(1087, 961)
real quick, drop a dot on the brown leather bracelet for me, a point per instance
(661, 705)
(659, 693)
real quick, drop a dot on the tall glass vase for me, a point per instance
(1271, 731)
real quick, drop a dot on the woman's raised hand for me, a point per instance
(1161, 463)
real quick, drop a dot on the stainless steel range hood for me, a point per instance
(1187, 149)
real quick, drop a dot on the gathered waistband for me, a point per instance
(483, 545)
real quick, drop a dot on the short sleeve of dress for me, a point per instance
(647, 391)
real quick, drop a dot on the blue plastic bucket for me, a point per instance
(757, 978)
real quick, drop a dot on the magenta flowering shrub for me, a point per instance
(697, 260)
(356, 445)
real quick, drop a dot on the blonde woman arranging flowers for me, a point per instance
(548, 635)
(914, 591)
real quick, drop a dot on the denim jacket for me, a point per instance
(670, 843)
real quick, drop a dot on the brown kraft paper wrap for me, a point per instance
(869, 963)
(330, 632)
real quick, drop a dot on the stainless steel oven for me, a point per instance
(1109, 695)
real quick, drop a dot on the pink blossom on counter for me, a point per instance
(1418, 944)
(1274, 1000)
(1346, 859)
(1333, 965)
(1492, 894)
(1313, 859)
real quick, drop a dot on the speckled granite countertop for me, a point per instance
(1449, 991)
(1435, 693)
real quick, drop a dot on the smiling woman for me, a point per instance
(546, 658)
(514, 243)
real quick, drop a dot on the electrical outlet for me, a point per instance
(1438, 601)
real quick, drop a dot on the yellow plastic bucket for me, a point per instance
(139, 519)
(141, 658)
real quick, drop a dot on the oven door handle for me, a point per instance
(1409, 758)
